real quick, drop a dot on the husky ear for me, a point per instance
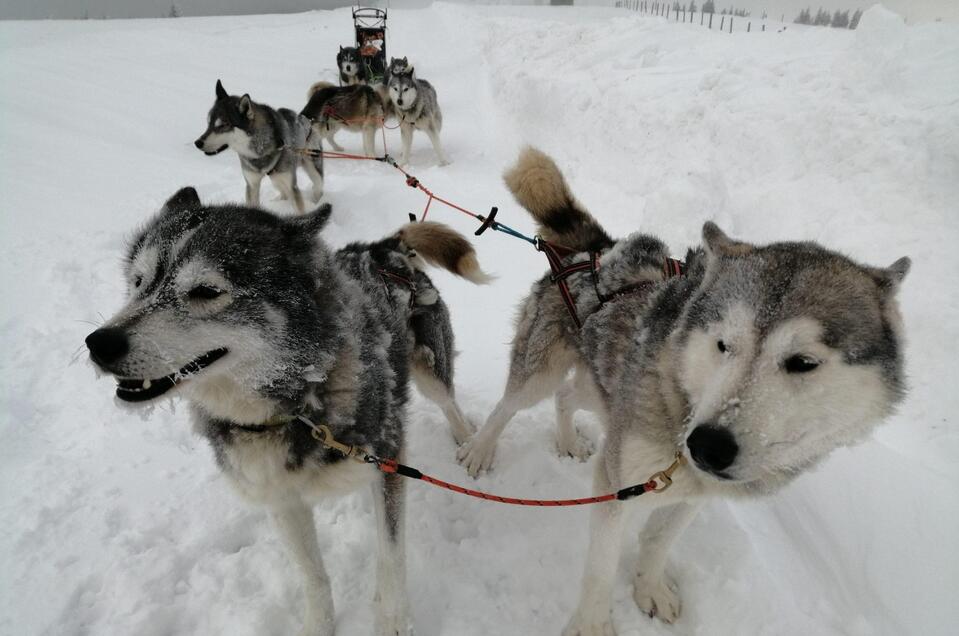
(312, 222)
(184, 199)
(717, 243)
(341, 48)
(889, 278)
(220, 91)
(246, 106)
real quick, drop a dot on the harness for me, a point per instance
(555, 255)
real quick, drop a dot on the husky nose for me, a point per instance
(399, 102)
(713, 448)
(198, 143)
(107, 345)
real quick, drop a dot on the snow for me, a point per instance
(112, 523)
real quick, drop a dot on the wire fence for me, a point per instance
(718, 21)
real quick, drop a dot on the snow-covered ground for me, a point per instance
(114, 524)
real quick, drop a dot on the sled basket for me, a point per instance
(370, 26)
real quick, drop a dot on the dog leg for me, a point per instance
(406, 135)
(437, 146)
(337, 147)
(571, 397)
(440, 391)
(391, 603)
(592, 616)
(296, 526)
(314, 169)
(369, 141)
(253, 180)
(651, 589)
(477, 454)
(285, 182)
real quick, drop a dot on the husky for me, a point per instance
(397, 66)
(357, 108)
(416, 108)
(752, 368)
(352, 68)
(269, 142)
(546, 343)
(252, 319)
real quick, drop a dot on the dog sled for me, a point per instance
(370, 26)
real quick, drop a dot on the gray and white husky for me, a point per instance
(416, 108)
(754, 367)
(249, 316)
(396, 66)
(268, 142)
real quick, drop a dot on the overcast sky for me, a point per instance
(912, 10)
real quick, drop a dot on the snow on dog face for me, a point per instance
(403, 89)
(223, 301)
(786, 352)
(228, 124)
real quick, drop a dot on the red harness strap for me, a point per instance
(391, 466)
(556, 253)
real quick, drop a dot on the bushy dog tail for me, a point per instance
(316, 88)
(440, 245)
(539, 186)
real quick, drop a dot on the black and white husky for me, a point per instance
(269, 142)
(249, 316)
(351, 66)
(754, 366)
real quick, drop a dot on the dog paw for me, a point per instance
(578, 447)
(657, 598)
(581, 625)
(476, 456)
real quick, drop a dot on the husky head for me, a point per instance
(228, 304)
(403, 88)
(784, 353)
(348, 61)
(229, 124)
(398, 65)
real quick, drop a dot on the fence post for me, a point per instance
(749, 25)
(702, 16)
(722, 22)
(710, 20)
(730, 24)
(764, 28)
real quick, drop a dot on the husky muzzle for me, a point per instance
(201, 142)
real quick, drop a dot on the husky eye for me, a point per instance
(137, 281)
(204, 292)
(721, 346)
(800, 364)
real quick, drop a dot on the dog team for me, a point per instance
(275, 142)
(752, 364)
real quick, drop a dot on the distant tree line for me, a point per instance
(709, 7)
(838, 20)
